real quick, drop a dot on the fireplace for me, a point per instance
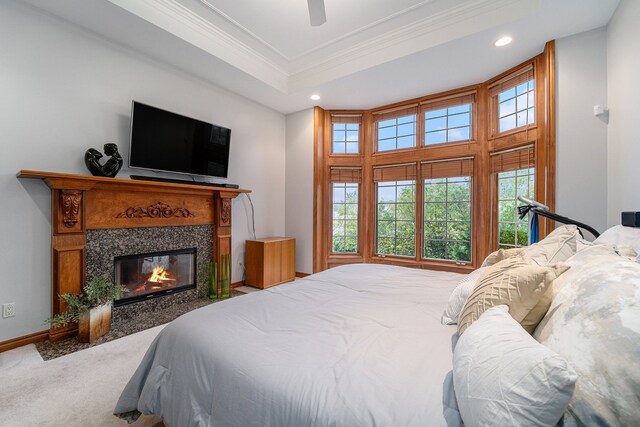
(155, 274)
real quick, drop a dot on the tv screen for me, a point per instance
(165, 141)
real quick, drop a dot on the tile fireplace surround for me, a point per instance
(105, 244)
(96, 218)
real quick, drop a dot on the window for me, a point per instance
(515, 177)
(345, 138)
(345, 217)
(447, 209)
(345, 203)
(432, 182)
(516, 102)
(396, 210)
(397, 129)
(448, 124)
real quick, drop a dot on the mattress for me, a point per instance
(358, 345)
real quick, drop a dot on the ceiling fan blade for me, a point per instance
(317, 15)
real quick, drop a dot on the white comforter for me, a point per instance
(359, 345)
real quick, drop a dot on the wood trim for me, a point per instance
(484, 228)
(23, 340)
(86, 202)
(67, 181)
(318, 188)
(550, 128)
(301, 275)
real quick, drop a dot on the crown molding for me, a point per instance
(178, 20)
(324, 63)
(331, 42)
(450, 24)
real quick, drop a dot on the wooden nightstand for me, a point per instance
(270, 261)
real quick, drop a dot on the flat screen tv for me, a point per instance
(168, 142)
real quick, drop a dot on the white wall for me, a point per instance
(64, 90)
(581, 138)
(299, 187)
(581, 180)
(623, 67)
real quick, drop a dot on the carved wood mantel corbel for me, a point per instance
(81, 203)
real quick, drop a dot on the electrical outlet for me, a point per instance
(9, 309)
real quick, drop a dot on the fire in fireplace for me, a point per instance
(155, 274)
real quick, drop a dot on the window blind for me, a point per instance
(447, 168)
(346, 118)
(395, 113)
(446, 103)
(523, 76)
(351, 175)
(405, 172)
(510, 160)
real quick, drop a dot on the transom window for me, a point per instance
(345, 138)
(397, 132)
(516, 106)
(345, 217)
(448, 124)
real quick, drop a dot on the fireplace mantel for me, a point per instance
(81, 203)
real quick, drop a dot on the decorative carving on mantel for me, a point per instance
(157, 210)
(225, 215)
(71, 200)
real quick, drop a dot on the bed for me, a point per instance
(543, 335)
(354, 345)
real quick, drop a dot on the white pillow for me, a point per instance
(582, 244)
(459, 296)
(621, 236)
(503, 377)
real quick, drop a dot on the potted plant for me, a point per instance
(91, 309)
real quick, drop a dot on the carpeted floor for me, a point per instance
(79, 389)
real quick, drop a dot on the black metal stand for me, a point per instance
(524, 210)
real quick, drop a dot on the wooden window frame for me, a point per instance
(395, 220)
(346, 118)
(541, 134)
(453, 101)
(391, 113)
(467, 166)
(525, 73)
(358, 251)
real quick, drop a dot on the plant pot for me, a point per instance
(94, 323)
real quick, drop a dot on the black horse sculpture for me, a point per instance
(110, 168)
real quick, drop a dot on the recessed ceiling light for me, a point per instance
(315, 97)
(503, 41)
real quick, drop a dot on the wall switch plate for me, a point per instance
(9, 309)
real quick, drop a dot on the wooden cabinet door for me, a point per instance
(288, 262)
(272, 262)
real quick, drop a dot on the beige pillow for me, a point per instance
(558, 246)
(501, 254)
(537, 313)
(515, 282)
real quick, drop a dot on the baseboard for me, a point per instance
(299, 274)
(24, 340)
(237, 284)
